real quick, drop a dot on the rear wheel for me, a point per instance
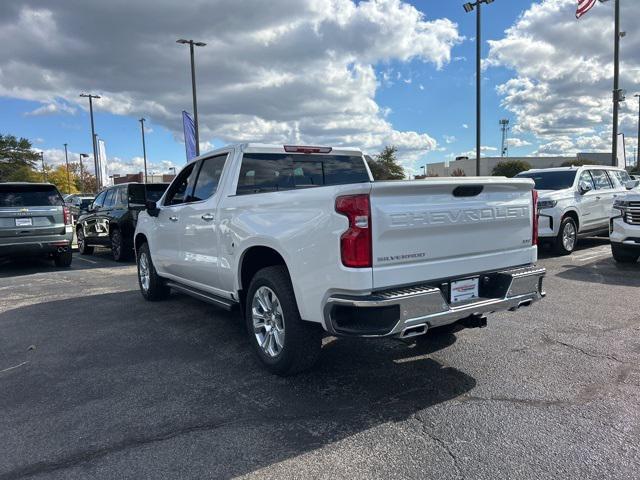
(622, 255)
(119, 249)
(63, 259)
(284, 343)
(152, 286)
(83, 248)
(567, 236)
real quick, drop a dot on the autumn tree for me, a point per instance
(458, 172)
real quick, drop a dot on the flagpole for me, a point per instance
(616, 84)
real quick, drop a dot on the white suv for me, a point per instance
(624, 228)
(576, 202)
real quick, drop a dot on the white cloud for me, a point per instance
(561, 91)
(465, 126)
(280, 71)
(51, 109)
(449, 138)
(515, 142)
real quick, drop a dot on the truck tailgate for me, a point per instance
(446, 228)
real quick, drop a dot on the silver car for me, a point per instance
(34, 221)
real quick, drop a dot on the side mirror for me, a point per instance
(584, 187)
(631, 184)
(152, 208)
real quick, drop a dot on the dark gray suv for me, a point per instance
(34, 221)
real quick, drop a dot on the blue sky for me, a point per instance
(404, 97)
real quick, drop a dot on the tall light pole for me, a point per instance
(93, 131)
(144, 148)
(618, 95)
(66, 160)
(638, 141)
(191, 44)
(468, 7)
(82, 155)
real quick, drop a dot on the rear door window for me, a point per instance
(601, 179)
(208, 178)
(272, 172)
(29, 195)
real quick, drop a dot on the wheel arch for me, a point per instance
(251, 261)
(139, 239)
(574, 215)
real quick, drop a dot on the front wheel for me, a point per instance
(567, 236)
(284, 343)
(621, 255)
(152, 286)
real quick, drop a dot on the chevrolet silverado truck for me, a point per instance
(304, 242)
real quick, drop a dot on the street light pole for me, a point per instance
(191, 44)
(144, 149)
(93, 131)
(66, 160)
(468, 7)
(638, 141)
(617, 94)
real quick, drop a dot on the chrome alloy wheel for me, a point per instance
(569, 237)
(143, 271)
(268, 321)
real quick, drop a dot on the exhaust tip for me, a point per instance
(414, 331)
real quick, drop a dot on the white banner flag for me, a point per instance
(621, 161)
(102, 163)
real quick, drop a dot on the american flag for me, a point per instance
(584, 6)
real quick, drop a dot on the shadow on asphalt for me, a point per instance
(546, 251)
(175, 384)
(16, 267)
(604, 271)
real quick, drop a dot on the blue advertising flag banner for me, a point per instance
(189, 135)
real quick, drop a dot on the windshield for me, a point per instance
(553, 180)
(29, 196)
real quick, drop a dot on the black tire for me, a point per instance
(120, 251)
(83, 248)
(567, 226)
(622, 255)
(63, 259)
(157, 288)
(302, 341)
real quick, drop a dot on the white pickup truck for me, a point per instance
(303, 241)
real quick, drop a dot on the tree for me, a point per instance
(84, 183)
(510, 168)
(17, 160)
(58, 176)
(385, 166)
(458, 172)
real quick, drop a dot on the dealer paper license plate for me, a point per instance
(24, 222)
(462, 290)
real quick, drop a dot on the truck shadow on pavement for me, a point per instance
(15, 267)
(132, 386)
(604, 271)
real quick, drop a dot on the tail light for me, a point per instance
(66, 215)
(534, 233)
(355, 243)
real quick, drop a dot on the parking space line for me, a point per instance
(86, 260)
(14, 367)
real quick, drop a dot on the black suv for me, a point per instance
(111, 219)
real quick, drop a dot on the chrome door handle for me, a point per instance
(173, 219)
(207, 217)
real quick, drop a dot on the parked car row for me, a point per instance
(576, 202)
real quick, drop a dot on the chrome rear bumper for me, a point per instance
(411, 311)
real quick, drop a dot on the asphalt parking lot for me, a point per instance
(97, 383)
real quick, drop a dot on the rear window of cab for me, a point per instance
(273, 172)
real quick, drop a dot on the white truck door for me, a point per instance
(198, 262)
(587, 203)
(166, 243)
(604, 196)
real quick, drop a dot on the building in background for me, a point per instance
(139, 177)
(487, 164)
